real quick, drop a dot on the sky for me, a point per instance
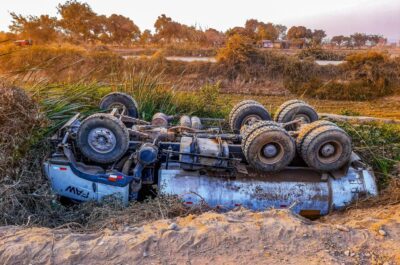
(335, 17)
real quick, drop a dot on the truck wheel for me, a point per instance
(247, 114)
(120, 100)
(103, 138)
(285, 104)
(326, 148)
(238, 105)
(302, 111)
(269, 148)
(306, 129)
(247, 130)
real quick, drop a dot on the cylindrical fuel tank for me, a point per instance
(304, 191)
(208, 151)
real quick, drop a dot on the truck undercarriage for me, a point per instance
(296, 161)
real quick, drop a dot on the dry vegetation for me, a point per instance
(240, 69)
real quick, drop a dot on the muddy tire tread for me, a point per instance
(255, 108)
(308, 157)
(306, 129)
(288, 157)
(286, 104)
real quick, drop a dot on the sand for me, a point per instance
(363, 236)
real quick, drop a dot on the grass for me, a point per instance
(378, 145)
(388, 107)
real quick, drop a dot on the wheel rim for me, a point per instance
(248, 120)
(329, 152)
(120, 107)
(102, 140)
(271, 153)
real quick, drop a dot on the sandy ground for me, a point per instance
(369, 236)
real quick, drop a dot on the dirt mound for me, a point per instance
(238, 237)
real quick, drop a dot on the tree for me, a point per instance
(338, 40)
(168, 30)
(146, 37)
(375, 39)
(121, 29)
(359, 39)
(267, 32)
(238, 50)
(214, 37)
(317, 36)
(299, 35)
(251, 27)
(347, 42)
(281, 31)
(237, 31)
(78, 20)
(40, 29)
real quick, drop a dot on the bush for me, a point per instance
(53, 63)
(320, 54)
(363, 76)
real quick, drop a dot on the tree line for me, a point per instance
(78, 23)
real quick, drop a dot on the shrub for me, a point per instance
(363, 76)
(238, 50)
(320, 54)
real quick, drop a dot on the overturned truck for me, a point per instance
(294, 161)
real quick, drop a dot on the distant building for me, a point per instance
(279, 44)
(267, 44)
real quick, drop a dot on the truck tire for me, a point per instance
(247, 113)
(306, 129)
(284, 105)
(269, 149)
(120, 100)
(326, 148)
(247, 130)
(238, 105)
(103, 138)
(295, 111)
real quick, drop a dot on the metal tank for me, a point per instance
(306, 192)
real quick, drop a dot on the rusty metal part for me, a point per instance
(181, 128)
(160, 119)
(129, 119)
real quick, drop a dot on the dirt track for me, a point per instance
(239, 237)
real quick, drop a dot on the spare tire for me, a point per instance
(326, 148)
(269, 148)
(103, 138)
(302, 111)
(246, 114)
(120, 100)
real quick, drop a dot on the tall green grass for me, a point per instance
(379, 146)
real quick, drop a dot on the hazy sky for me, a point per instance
(336, 17)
